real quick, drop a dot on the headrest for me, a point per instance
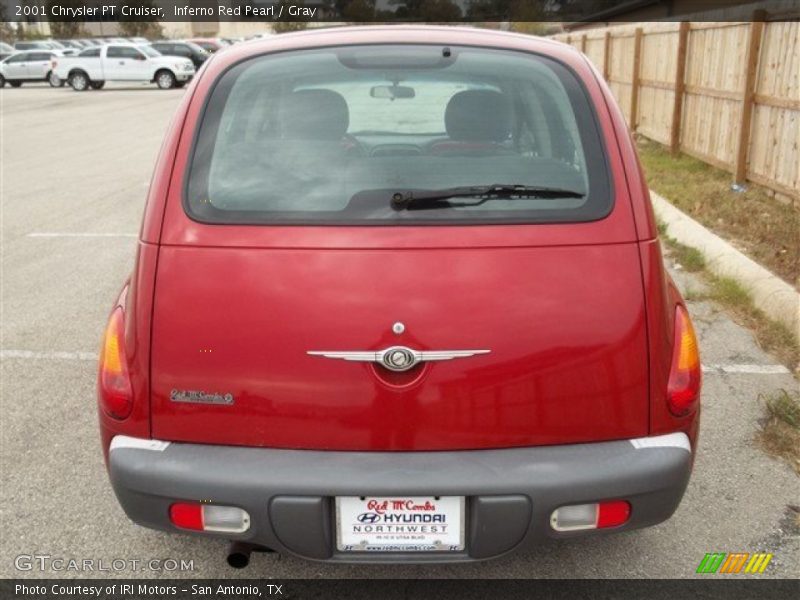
(314, 114)
(478, 116)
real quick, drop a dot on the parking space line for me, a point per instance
(36, 355)
(743, 369)
(747, 369)
(55, 234)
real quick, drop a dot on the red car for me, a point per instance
(398, 296)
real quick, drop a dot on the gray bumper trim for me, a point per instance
(296, 487)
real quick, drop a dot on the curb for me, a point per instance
(779, 300)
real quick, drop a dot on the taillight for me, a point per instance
(209, 517)
(597, 515)
(114, 384)
(683, 386)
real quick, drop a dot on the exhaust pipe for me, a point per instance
(239, 553)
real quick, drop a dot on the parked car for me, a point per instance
(32, 45)
(123, 62)
(260, 36)
(139, 41)
(6, 50)
(183, 49)
(70, 45)
(210, 45)
(398, 296)
(45, 45)
(32, 66)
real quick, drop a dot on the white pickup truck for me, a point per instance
(122, 62)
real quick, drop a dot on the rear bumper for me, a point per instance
(511, 493)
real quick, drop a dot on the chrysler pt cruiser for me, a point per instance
(398, 296)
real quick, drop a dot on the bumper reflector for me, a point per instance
(209, 517)
(597, 515)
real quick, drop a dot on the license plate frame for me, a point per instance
(410, 524)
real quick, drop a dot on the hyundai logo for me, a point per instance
(369, 517)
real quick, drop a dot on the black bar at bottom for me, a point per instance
(715, 586)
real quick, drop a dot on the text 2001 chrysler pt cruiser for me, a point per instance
(398, 297)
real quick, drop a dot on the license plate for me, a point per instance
(400, 524)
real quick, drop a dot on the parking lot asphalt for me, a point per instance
(75, 170)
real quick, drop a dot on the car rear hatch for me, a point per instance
(243, 309)
(567, 358)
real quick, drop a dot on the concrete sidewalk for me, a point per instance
(779, 300)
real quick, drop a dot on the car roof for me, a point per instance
(397, 34)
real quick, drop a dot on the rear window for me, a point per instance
(331, 136)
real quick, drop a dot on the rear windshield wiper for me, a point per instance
(426, 199)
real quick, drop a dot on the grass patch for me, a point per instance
(731, 293)
(690, 259)
(762, 227)
(772, 336)
(780, 429)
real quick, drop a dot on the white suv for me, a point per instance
(30, 66)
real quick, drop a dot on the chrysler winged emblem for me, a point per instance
(397, 358)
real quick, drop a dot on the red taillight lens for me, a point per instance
(188, 516)
(114, 384)
(597, 515)
(683, 387)
(209, 517)
(612, 514)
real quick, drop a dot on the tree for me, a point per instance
(6, 33)
(136, 27)
(440, 11)
(357, 11)
(435, 11)
(531, 27)
(147, 29)
(506, 10)
(65, 29)
(288, 26)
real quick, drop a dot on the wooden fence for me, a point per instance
(727, 93)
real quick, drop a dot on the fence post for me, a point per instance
(607, 55)
(680, 87)
(753, 53)
(583, 43)
(637, 57)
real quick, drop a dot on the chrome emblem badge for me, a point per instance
(397, 358)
